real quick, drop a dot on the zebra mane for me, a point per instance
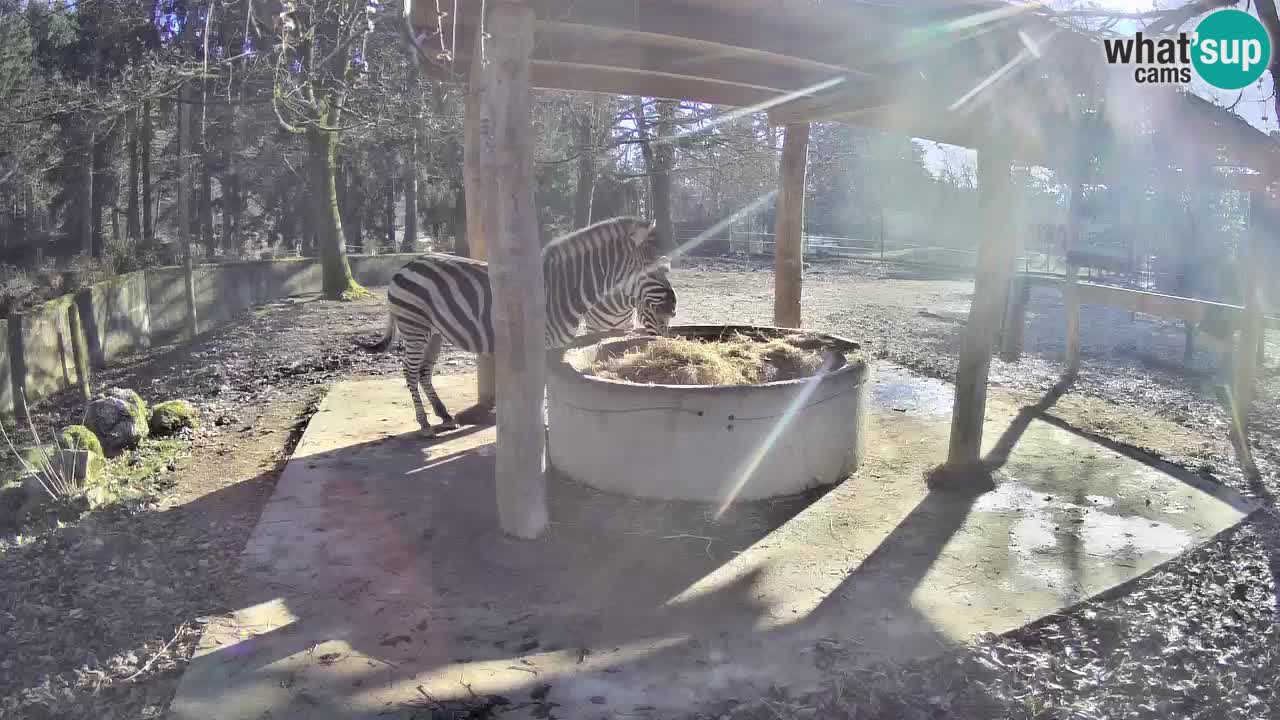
(613, 229)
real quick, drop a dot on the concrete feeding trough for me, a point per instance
(706, 443)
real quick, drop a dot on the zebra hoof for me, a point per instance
(449, 425)
(427, 432)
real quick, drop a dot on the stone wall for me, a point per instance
(131, 313)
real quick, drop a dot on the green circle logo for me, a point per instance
(1231, 49)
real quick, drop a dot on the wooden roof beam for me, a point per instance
(678, 27)
(627, 55)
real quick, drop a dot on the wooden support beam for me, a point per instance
(1071, 308)
(515, 271)
(788, 252)
(1015, 319)
(479, 190)
(1149, 303)
(1071, 290)
(678, 23)
(1244, 382)
(987, 310)
(559, 46)
(548, 75)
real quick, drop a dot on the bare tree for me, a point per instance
(320, 60)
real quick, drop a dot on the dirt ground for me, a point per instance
(97, 617)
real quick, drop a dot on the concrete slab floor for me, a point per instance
(379, 577)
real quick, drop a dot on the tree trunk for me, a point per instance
(460, 245)
(133, 223)
(353, 218)
(304, 205)
(148, 226)
(322, 158)
(657, 163)
(585, 189)
(105, 185)
(184, 212)
(87, 204)
(230, 186)
(206, 195)
(389, 212)
(288, 224)
(788, 234)
(341, 184)
(410, 182)
(660, 181)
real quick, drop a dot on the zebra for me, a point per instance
(436, 297)
(651, 299)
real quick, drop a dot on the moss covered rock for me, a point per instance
(118, 417)
(79, 437)
(169, 417)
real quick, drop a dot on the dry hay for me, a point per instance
(736, 360)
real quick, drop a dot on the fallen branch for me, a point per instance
(162, 651)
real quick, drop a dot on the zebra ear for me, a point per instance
(644, 234)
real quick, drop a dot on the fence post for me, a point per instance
(18, 365)
(79, 351)
(882, 234)
(1015, 318)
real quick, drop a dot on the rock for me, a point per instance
(118, 417)
(13, 501)
(79, 437)
(169, 417)
(211, 373)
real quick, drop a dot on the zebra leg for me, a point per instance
(414, 348)
(424, 377)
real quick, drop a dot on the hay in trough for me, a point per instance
(736, 360)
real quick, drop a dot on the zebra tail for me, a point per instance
(388, 338)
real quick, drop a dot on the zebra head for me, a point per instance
(656, 299)
(589, 265)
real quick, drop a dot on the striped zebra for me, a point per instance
(650, 298)
(436, 297)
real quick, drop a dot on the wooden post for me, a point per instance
(477, 189)
(1015, 318)
(1070, 288)
(1246, 360)
(788, 251)
(882, 234)
(1071, 306)
(79, 350)
(995, 265)
(515, 270)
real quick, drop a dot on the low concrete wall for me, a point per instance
(115, 317)
(40, 348)
(376, 270)
(130, 313)
(166, 304)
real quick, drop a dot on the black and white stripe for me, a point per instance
(437, 297)
(650, 298)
